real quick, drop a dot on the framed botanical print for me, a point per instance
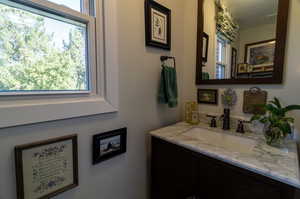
(260, 54)
(108, 145)
(47, 168)
(158, 25)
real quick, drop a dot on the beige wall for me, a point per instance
(288, 92)
(254, 34)
(123, 177)
(209, 26)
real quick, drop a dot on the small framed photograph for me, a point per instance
(108, 145)
(260, 54)
(158, 25)
(47, 168)
(242, 68)
(207, 96)
(205, 47)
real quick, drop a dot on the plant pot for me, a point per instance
(274, 136)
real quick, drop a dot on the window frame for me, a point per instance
(64, 14)
(225, 60)
(41, 107)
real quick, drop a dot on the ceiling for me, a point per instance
(250, 13)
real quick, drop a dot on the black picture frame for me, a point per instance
(119, 136)
(149, 30)
(205, 47)
(19, 162)
(233, 62)
(247, 56)
(211, 100)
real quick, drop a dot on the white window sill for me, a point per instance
(45, 110)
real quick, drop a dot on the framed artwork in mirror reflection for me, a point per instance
(260, 55)
(205, 47)
(233, 62)
(108, 145)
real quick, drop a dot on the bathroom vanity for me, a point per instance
(199, 162)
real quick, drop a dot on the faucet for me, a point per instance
(226, 119)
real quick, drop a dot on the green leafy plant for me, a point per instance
(277, 124)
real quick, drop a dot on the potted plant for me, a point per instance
(276, 124)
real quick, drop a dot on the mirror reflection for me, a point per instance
(239, 39)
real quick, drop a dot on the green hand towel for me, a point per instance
(168, 87)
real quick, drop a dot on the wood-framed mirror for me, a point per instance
(247, 40)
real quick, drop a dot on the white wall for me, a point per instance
(123, 177)
(288, 92)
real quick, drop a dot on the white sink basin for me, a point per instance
(221, 140)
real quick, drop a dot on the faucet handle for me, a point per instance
(213, 122)
(245, 121)
(240, 127)
(211, 116)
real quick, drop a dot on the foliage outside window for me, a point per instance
(41, 53)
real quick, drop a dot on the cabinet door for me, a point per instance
(247, 186)
(212, 184)
(174, 171)
(219, 180)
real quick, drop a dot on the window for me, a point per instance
(39, 53)
(220, 58)
(52, 60)
(73, 4)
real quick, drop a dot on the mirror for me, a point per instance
(242, 41)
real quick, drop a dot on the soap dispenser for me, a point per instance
(195, 118)
(191, 113)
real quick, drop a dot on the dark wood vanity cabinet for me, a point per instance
(178, 173)
(177, 181)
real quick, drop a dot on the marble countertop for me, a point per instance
(279, 164)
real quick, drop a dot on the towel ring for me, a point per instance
(165, 58)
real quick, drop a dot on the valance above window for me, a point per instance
(226, 25)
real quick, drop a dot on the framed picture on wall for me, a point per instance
(260, 54)
(205, 47)
(242, 68)
(47, 168)
(108, 145)
(158, 25)
(208, 96)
